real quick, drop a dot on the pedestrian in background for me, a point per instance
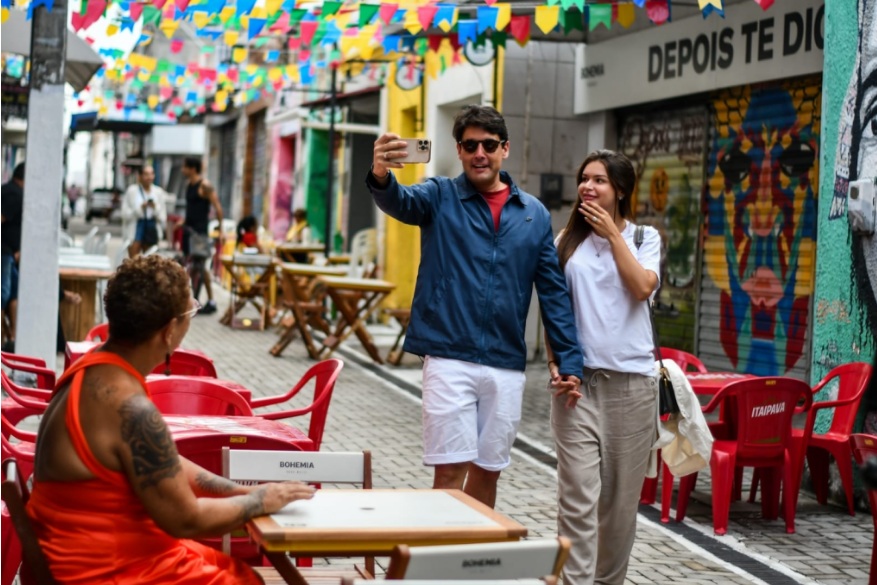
(484, 244)
(143, 212)
(12, 204)
(200, 197)
(603, 436)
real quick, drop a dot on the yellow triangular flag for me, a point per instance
(272, 6)
(220, 99)
(626, 15)
(152, 101)
(103, 111)
(251, 69)
(169, 27)
(144, 76)
(433, 66)
(258, 12)
(292, 73)
(546, 17)
(258, 81)
(275, 73)
(163, 81)
(231, 37)
(412, 22)
(112, 29)
(447, 26)
(504, 16)
(245, 21)
(4, 14)
(239, 54)
(201, 19)
(226, 13)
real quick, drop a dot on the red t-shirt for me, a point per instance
(249, 239)
(495, 200)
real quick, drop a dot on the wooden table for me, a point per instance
(246, 289)
(373, 522)
(356, 299)
(290, 252)
(80, 273)
(306, 303)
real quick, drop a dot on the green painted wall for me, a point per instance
(841, 333)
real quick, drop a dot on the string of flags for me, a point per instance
(415, 33)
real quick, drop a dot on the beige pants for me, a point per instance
(602, 452)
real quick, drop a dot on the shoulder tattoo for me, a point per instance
(153, 450)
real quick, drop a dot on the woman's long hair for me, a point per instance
(622, 177)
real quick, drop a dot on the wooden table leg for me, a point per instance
(353, 321)
(287, 570)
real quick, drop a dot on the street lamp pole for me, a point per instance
(330, 180)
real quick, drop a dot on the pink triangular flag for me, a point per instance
(425, 14)
(176, 45)
(386, 12)
(308, 28)
(136, 10)
(158, 3)
(182, 4)
(76, 20)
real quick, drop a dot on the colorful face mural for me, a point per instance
(762, 176)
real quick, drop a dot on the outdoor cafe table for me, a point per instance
(306, 306)
(80, 274)
(295, 252)
(247, 287)
(356, 299)
(709, 383)
(351, 522)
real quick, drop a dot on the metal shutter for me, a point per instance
(759, 232)
(668, 151)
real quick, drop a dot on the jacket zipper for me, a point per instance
(489, 298)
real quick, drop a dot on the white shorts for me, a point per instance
(471, 413)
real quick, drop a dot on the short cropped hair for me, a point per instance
(143, 296)
(483, 117)
(193, 162)
(18, 172)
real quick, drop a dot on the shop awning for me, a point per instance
(82, 60)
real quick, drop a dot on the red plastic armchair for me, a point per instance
(763, 422)
(852, 380)
(324, 375)
(188, 362)
(100, 332)
(865, 447)
(197, 396)
(685, 360)
(22, 402)
(23, 452)
(31, 365)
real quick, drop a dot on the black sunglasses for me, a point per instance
(490, 145)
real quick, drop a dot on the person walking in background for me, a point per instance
(12, 204)
(200, 197)
(484, 244)
(604, 434)
(143, 212)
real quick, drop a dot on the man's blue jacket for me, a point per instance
(474, 284)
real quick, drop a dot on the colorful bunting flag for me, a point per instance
(446, 17)
(425, 15)
(486, 18)
(467, 30)
(520, 29)
(658, 10)
(599, 14)
(546, 17)
(626, 15)
(503, 15)
(387, 11)
(765, 4)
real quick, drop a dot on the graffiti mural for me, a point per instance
(759, 234)
(667, 150)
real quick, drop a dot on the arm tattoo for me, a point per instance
(213, 485)
(253, 505)
(152, 447)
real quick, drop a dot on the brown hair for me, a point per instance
(622, 177)
(143, 296)
(484, 117)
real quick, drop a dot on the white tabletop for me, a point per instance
(88, 261)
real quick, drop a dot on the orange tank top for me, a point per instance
(97, 530)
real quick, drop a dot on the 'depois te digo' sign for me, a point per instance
(695, 55)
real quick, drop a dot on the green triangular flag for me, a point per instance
(329, 8)
(319, 34)
(367, 13)
(599, 14)
(421, 46)
(163, 66)
(296, 15)
(498, 39)
(571, 20)
(273, 18)
(151, 15)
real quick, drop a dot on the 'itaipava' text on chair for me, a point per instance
(35, 569)
(307, 467)
(864, 447)
(763, 439)
(494, 560)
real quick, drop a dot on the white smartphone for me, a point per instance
(419, 151)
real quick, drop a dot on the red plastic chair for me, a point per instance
(31, 365)
(324, 375)
(763, 439)
(192, 395)
(686, 361)
(22, 402)
(35, 568)
(99, 332)
(11, 547)
(865, 447)
(188, 362)
(852, 381)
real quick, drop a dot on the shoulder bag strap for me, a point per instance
(638, 237)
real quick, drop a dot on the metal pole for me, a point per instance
(41, 219)
(330, 180)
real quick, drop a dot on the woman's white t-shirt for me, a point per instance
(614, 329)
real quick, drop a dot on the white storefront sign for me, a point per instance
(696, 55)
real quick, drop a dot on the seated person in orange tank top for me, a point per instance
(112, 500)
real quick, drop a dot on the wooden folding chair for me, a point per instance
(247, 288)
(305, 466)
(304, 297)
(35, 567)
(523, 559)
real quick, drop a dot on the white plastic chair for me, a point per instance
(100, 244)
(363, 253)
(65, 240)
(525, 559)
(88, 241)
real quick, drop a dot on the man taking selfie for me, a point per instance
(484, 244)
